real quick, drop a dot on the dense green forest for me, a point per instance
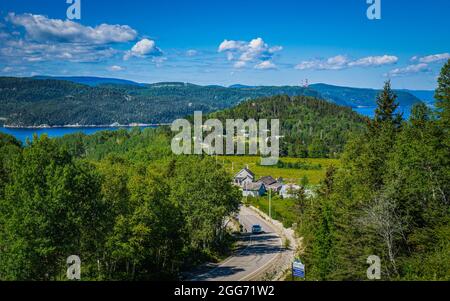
(390, 198)
(133, 211)
(118, 200)
(39, 101)
(310, 127)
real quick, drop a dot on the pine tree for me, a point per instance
(386, 107)
(443, 96)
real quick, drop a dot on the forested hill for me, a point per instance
(33, 102)
(38, 101)
(355, 97)
(310, 127)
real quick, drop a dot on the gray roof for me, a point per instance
(267, 180)
(253, 186)
(275, 185)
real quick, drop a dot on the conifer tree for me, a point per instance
(386, 106)
(443, 96)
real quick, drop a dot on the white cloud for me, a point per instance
(255, 51)
(42, 29)
(411, 69)
(231, 45)
(333, 63)
(46, 40)
(115, 68)
(21, 50)
(191, 52)
(375, 61)
(265, 65)
(7, 69)
(159, 60)
(143, 48)
(340, 62)
(432, 58)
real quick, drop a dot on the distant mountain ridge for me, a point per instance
(90, 80)
(426, 96)
(99, 101)
(357, 97)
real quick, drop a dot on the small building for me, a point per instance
(288, 190)
(244, 176)
(271, 183)
(253, 189)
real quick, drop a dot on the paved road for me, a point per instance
(256, 254)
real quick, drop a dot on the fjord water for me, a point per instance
(23, 133)
(370, 111)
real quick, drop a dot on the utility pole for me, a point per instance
(270, 203)
(246, 193)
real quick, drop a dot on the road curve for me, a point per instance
(256, 254)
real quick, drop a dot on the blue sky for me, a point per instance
(226, 42)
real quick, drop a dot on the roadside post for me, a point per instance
(298, 269)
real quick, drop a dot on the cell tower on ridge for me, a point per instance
(305, 83)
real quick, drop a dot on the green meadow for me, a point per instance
(314, 169)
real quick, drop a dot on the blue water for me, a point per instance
(370, 111)
(23, 134)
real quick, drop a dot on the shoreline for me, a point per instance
(44, 126)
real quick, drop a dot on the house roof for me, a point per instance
(267, 180)
(247, 170)
(253, 186)
(275, 186)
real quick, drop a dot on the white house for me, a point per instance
(243, 177)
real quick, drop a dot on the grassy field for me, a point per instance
(291, 175)
(283, 210)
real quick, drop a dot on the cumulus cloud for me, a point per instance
(432, 58)
(256, 52)
(340, 62)
(143, 48)
(375, 61)
(42, 39)
(411, 69)
(30, 51)
(265, 65)
(42, 29)
(240, 64)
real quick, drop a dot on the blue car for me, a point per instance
(256, 229)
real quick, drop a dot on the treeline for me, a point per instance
(389, 199)
(310, 127)
(118, 200)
